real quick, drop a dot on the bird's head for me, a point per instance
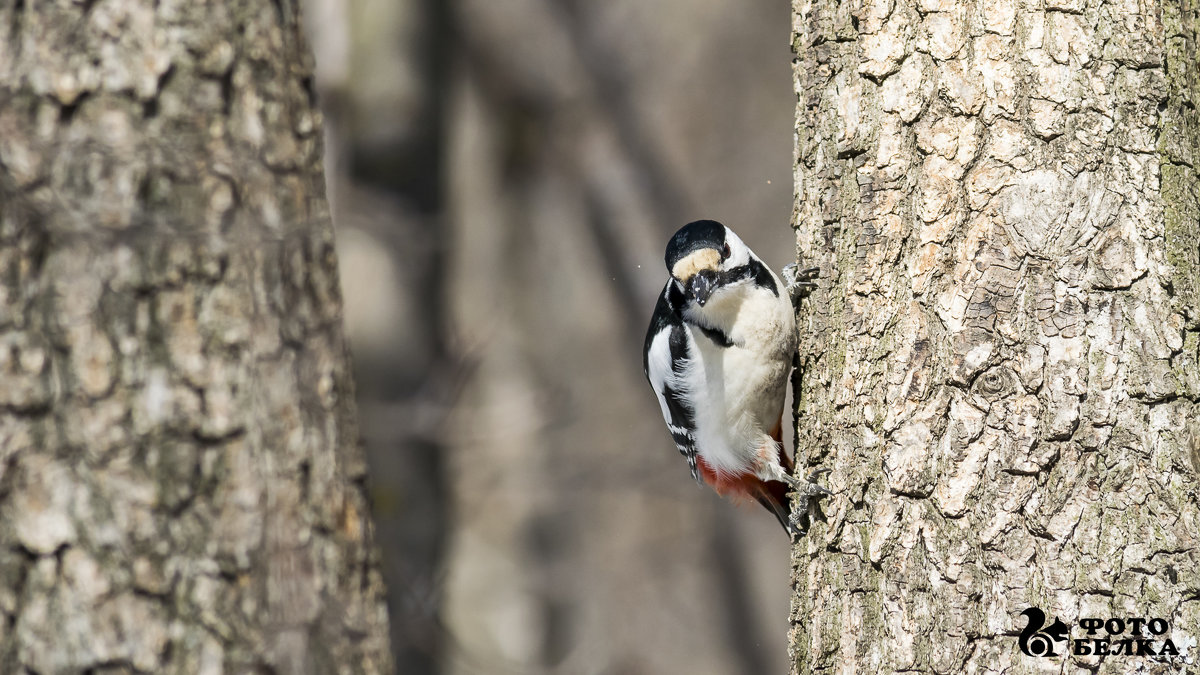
(700, 256)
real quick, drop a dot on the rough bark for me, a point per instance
(1000, 366)
(181, 487)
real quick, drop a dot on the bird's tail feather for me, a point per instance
(773, 495)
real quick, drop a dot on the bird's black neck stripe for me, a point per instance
(753, 270)
(717, 335)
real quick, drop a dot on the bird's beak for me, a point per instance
(697, 274)
(701, 286)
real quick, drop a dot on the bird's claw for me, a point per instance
(800, 282)
(806, 490)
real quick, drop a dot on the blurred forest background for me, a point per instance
(504, 176)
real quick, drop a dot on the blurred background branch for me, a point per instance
(504, 177)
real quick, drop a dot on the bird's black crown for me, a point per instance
(693, 237)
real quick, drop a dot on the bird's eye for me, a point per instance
(725, 253)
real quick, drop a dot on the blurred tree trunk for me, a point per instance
(389, 112)
(1000, 367)
(181, 486)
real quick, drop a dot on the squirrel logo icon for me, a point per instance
(1037, 642)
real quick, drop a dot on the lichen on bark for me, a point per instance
(1179, 149)
(181, 487)
(1000, 366)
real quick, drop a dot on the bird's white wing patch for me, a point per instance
(658, 369)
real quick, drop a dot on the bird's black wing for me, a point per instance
(663, 357)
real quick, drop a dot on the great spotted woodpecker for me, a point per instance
(718, 354)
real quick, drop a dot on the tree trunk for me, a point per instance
(181, 486)
(1000, 365)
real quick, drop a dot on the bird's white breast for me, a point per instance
(739, 390)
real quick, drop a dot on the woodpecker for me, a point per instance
(718, 353)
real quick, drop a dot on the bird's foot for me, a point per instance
(806, 490)
(800, 283)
